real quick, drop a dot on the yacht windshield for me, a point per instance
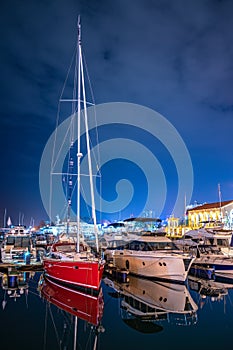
(150, 246)
(19, 242)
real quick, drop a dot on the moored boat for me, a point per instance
(211, 258)
(154, 256)
(221, 239)
(17, 247)
(208, 256)
(65, 264)
(71, 262)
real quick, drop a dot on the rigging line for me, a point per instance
(75, 83)
(55, 135)
(74, 96)
(63, 210)
(55, 328)
(97, 173)
(94, 156)
(93, 99)
(70, 165)
(229, 298)
(68, 72)
(88, 78)
(89, 341)
(100, 201)
(98, 161)
(45, 325)
(33, 293)
(72, 129)
(75, 100)
(74, 174)
(66, 329)
(53, 164)
(67, 204)
(61, 147)
(85, 200)
(89, 159)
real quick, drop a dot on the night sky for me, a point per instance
(173, 57)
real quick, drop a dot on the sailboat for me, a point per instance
(73, 262)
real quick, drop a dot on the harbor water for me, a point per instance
(134, 314)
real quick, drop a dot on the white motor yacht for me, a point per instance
(153, 256)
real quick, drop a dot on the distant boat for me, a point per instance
(72, 262)
(17, 247)
(153, 256)
(211, 257)
(220, 238)
(212, 251)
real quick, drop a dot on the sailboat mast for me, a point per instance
(87, 141)
(79, 154)
(4, 219)
(89, 157)
(220, 201)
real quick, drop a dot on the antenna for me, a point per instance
(79, 29)
(220, 200)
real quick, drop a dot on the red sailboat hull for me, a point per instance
(86, 274)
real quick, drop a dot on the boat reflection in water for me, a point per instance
(209, 289)
(15, 283)
(76, 305)
(146, 304)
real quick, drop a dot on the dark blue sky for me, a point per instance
(175, 57)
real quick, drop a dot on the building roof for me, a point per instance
(210, 206)
(143, 219)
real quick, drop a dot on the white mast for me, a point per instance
(220, 201)
(4, 219)
(79, 154)
(89, 159)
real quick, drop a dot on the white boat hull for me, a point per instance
(222, 265)
(170, 266)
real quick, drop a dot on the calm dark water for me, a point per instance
(29, 321)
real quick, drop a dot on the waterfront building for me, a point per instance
(211, 214)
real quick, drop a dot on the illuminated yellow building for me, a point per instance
(211, 214)
(174, 228)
